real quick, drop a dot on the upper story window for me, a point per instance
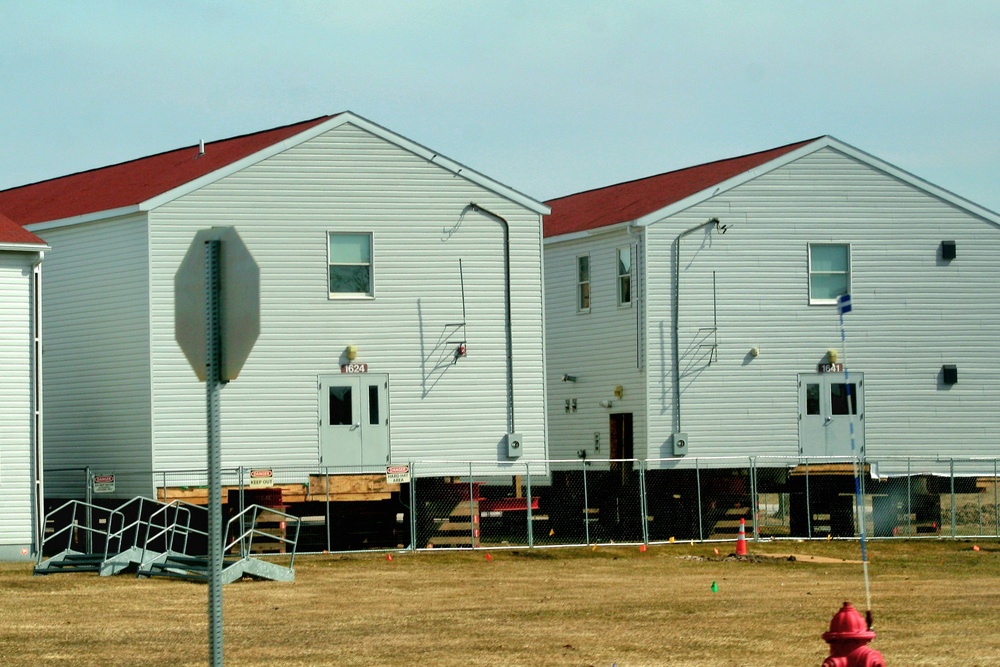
(583, 283)
(624, 276)
(829, 271)
(350, 256)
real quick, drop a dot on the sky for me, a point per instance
(550, 97)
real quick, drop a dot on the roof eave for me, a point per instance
(590, 233)
(24, 247)
(36, 227)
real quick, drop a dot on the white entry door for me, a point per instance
(826, 414)
(354, 420)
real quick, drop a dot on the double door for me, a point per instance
(830, 407)
(354, 420)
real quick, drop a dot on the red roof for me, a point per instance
(131, 183)
(11, 232)
(634, 199)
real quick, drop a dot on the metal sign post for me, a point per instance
(216, 323)
(213, 362)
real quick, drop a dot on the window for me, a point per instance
(583, 283)
(350, 264)
(340, 406)
(839, 404)
(829, 272)
(624, 276)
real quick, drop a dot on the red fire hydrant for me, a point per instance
(848, 638)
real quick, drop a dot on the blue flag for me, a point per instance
(844, 303)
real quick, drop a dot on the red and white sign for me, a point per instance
(397, 474)
(354, 368)
(104, 483)
(261, 478)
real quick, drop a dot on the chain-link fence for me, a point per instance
(588, 502)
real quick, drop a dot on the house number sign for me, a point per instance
(354, 368)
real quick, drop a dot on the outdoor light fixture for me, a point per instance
(351, 352)
(754, 351)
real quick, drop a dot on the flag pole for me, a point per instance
(844, 306)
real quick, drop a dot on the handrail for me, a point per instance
(111, 516)
(245, 539)
(170, 529)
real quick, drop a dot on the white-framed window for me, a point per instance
(624, 264)
(350, 262)
(583, 283)
(829, 272)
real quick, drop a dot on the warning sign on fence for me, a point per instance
(104, 484)
(261, 478)
(397, 475)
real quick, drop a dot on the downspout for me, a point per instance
(36, 399)
(507, 309)
(675, 315)
(636, 298)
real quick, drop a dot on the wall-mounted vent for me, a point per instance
(948, 251)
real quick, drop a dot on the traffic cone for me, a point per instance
(388, 557)
(741, 540)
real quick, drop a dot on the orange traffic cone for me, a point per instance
(741, 541)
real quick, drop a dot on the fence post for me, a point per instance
(754, 504)
(88, 495)
(413, 508)
(326, 521)
(952, 468)
(809, 514)
(586, 503)
(697, 482)
(473, 510)
(909, 498)
(531, 520)
(643, 503)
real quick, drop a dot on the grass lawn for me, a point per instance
(935, 602)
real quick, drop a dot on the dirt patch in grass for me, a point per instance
(935, 604)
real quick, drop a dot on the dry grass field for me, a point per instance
(935, 603)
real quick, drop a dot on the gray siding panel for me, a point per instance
(912, 313)
(96, 355)
(283, 207)
(16, 439)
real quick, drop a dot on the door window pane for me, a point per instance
(340, 406)
(373, 404)
(812, 399)
(838, 399)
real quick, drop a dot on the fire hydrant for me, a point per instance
(848, 638)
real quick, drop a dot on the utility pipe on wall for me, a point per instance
(509, 329)
(675, 315)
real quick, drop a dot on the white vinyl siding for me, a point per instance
(16, 385)
(912, 313)
(428, 243)
(599, 350)
(96, 356)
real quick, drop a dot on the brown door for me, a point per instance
(621, 443)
